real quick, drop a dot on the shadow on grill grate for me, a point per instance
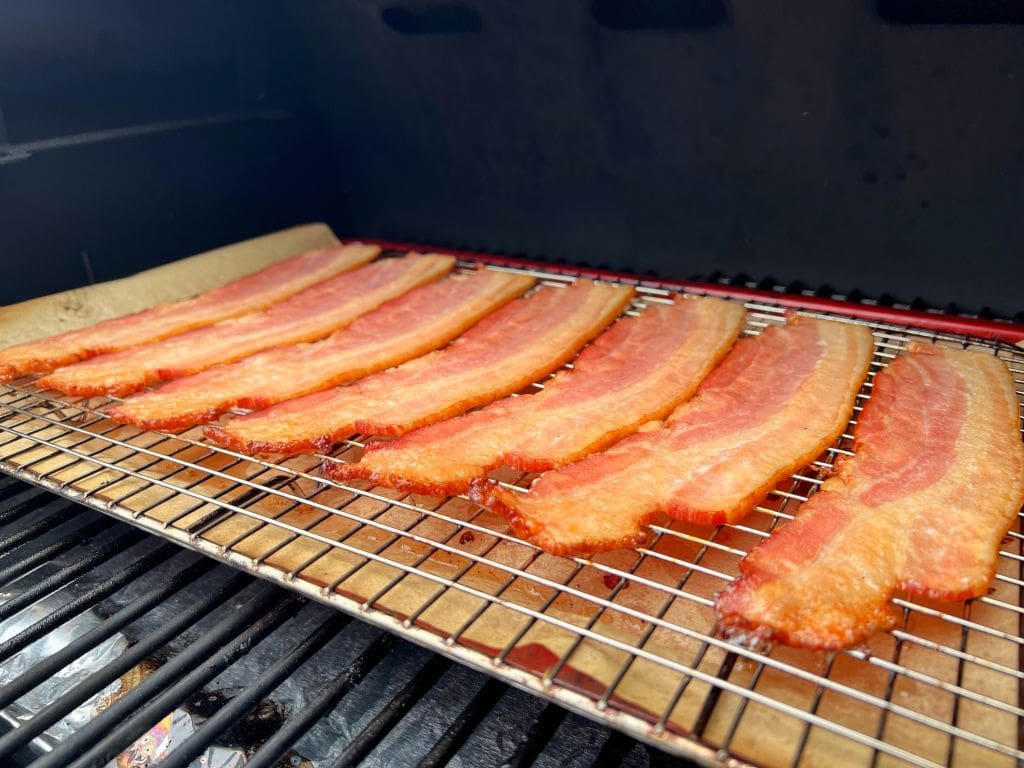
(114, 644)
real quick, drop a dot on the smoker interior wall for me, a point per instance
(214, 151)
(803, 141)
(860, 144)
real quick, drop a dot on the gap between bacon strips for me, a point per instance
(636, 371)
(936, 481)
(773, 405)
(402, 329)
(521, 342)
(247, 294)
(306, 316)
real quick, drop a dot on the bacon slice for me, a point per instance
(306, 316)
(638, 370)
(404, 328)
(936, 482)
(775, 402)
(516, 345)
(248, 294)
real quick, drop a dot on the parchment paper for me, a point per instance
(84, 306)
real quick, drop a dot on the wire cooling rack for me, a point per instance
(625, 637)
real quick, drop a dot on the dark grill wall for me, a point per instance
(248, 164)
(827, 143)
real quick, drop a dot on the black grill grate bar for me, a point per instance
(61, 515)
(14, 488)
(537, 736)
(98, 554)
(30, 502)
(463, 725)
(614, 750)
(82, 536)
(139, 652)
(86, 600)
(269, 754)
(60, 659)
(265, 682)
(104, 737)
(392, 712)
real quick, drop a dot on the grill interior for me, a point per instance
(626, 637)
(144, 628)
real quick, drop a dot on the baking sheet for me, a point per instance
(662, 679)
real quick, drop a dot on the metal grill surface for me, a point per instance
(625, 637)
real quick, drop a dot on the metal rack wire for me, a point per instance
(626, 637)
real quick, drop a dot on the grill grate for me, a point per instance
(624, 637)
(302, 684)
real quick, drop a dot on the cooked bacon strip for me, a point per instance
(638, 370)
(404, 328)
(937, 480)
(306, 316)
(506, 351)
(774, 404)
(248, 294)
